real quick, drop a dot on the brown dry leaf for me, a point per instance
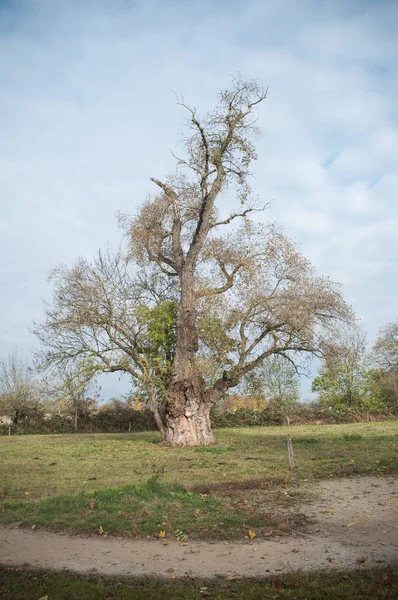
(93, 503)
(234, 577)
(331, 560)
(384, 576)
(276, 583)
(361, 559)
(100, 530)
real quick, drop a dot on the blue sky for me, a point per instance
(88, 115)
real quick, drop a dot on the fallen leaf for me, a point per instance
(330, 559)
(100, 530)
(162, 534)
(361, 559)
(93, 503)
(44, 597)
(234, 577)
(276, 583)
(384, 576)
(251, 534)
(180, 535)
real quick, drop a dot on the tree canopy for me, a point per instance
(200, 293)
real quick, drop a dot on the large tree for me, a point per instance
(204, 293)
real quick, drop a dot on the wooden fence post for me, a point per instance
(290, 452)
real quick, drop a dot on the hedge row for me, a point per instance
(111, 421)
(302, 415)
(99, 422)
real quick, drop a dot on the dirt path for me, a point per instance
(356, 524)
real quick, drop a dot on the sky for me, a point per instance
(88, 114)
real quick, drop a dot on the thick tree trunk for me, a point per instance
(187, 414)
(187, 421)
(187, 408)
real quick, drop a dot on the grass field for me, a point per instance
(132, 484)
(344, 585)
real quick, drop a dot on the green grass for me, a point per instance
(143, 510)
(344, 585)
(50, 480)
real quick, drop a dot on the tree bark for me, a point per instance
(189, 423)
(153, 407)
(187, 414)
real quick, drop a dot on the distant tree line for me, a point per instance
(354, 378)
(352, 384)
